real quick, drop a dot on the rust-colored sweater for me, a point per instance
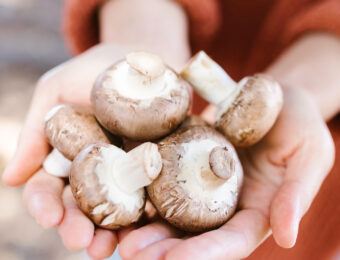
(245, 36)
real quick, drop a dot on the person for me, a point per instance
(296, 42)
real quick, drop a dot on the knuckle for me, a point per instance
(49, 78)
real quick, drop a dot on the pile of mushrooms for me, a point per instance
(191, 172)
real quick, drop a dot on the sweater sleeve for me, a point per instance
(286, 22)
(321, 16)
(80, 22)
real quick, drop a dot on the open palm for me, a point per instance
(283, 173)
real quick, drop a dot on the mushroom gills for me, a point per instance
(107, 171)
(197, 178)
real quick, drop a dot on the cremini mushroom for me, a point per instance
(108, 183)
(199, 185)
(69, 128)
(140, 98)
(192, 120)
(246, 110)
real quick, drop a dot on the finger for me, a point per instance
(150, 215)
(235, 240)
(305, 171)
(33, 147)
(209, 113)
(122, 233)
(304, 176)
(157, 250)
(286, 214)
(140, 238)
(76, 230)
(103, 244)
(42, 196)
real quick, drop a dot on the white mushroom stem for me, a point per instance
(208, 79)
(221, 162)
(56, 164)
(139, 167)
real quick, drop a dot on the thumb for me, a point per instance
(32, 147)
(305, 172)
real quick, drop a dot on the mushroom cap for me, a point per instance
(96, 192)
(132, 102)
(247, 118)
(187, 193)
(192, 120)
(69, 128)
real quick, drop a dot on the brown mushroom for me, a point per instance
(107, 182)
(69, 128)
(192, 120)
(140, 98)
(198, 187)
(247, 110)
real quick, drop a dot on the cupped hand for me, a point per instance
(283, 173)
(46, 197)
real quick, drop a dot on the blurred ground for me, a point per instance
(30, 44)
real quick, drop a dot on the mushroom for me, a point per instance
(198, 187)
(69, 128)
(108, 183)
(140, 98)
(56, 164)
(246, 110)
(192, 120)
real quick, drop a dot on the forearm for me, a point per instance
(161, 29)
(313, 63)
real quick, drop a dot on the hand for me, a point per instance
(47, 198)
(283, 173)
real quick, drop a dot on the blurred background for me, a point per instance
(30, 44)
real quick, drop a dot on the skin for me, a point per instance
(71, 82)
(269, 189)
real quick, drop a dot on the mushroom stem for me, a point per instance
(209, 79)
(139, 167)
(56, 164)
(221, 162)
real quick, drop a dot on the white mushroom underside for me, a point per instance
(105, 172)
(131, 84)
(56, 164)
(199, 181)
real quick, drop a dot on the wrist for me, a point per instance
(312, 64)
(161, 29)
